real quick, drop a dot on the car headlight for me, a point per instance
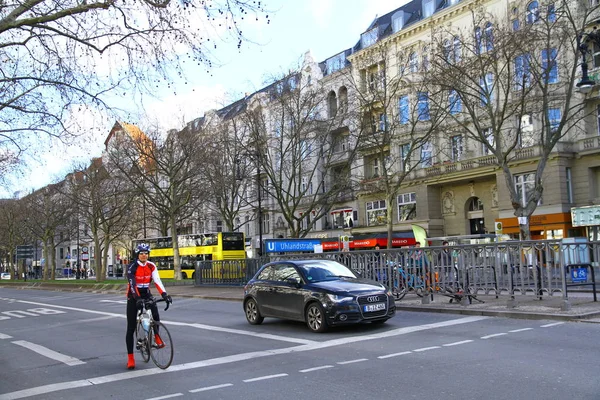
(338, 299)
(389, 293)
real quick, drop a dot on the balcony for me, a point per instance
(588, 145)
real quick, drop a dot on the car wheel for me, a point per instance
(252, 314)
(315, 318)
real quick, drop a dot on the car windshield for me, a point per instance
(326, 270)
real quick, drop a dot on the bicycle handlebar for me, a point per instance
(153, 300)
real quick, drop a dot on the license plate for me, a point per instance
(374, 307)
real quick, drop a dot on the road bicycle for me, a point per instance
(148, 332)
(405, 282)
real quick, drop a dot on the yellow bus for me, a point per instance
(193, 249)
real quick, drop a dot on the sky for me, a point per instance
(323, 27)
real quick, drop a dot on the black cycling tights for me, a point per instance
(132, 321)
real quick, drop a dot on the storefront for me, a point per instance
(587, 218)
(543, 226)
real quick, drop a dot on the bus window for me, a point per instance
(233, 241)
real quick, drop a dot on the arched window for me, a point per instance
(448, 53)
(332, 104)
(425, 59)
(533, 12)
(457, 49)
(478, 41)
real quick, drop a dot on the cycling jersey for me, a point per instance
(140, 276)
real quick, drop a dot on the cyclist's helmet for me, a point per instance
(142, 247)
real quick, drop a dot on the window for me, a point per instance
(525, 131)
(335, 63)
(522, 71)
(425, 59)
(456, 147)
(549, 65)
(487, 89)
(569, 179)
(595, 55)
(524, 184)
(475, 204)
(376, 212)
(405, 157)
(238, 222)
(489, 138)
(368, 38)
(454, 102)
(447, 51)
(282, 273)
(382, 122)
(533, 12)
(598, 119)
(554, 117)
(426, 155)
(489, 37)
(266, 220)
(219, 226)
(457, 49)
(551, 13)
(478, 41)
(413, 62)
(403, 109)
(247, 225)
(423, 106)
(61, 253)
(516, 25)
(375, 168)
(331, 104)
(407, 206)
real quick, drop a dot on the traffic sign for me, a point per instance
(579, 274)
(24, 252)
(85, 257)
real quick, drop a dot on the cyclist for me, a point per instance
(140, 273)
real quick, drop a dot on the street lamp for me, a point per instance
(586, 84)
(255, 158)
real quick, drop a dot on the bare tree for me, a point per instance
(399, 124)
(515, 85)
(11, 217)
(291, 143)
(165, 172)
(79, 53)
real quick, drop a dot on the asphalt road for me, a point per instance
(63, 345)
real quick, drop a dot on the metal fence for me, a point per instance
(511, 268)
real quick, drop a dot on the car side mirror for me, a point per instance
(293, 282)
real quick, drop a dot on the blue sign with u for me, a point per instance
(284, 246)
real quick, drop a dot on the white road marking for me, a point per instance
(114, 301)
(552, 324)
(395, 354)
(521, 330)
(352, 361)
(315, 368)
(457, 343)
(426, 349)
(20, 314)
(4, 336)
(193, 325)
(262, 378)
(166, 397)
(49, 353)
(235, 358)
(210, 388)
(493, 335)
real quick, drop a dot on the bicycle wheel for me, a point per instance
(141, 342)
(161, 355)
(400, 288)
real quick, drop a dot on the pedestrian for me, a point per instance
(419, 259)
(446, 264)
(140, 273)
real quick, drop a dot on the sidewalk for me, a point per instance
(582, 305)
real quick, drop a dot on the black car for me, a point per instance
(321, 293)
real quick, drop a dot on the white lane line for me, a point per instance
(49, 353)
(4, 336)
(493, 335)
(262, 378)
(521, 330)
(394, 355)
(552, 324)
(204, 389)
(315, 368)
(426, 349)
(166, 397)
(352, 361)
(193, 325)
(114, 301)
(235, 358)
(457, 343)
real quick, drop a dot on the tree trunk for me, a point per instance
(176, 261)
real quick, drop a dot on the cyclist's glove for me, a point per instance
(166, 297)
(139, 303)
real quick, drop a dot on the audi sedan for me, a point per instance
(321, 293)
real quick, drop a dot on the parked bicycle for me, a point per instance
(405, 282)
(146, 334)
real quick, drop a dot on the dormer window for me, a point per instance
(428, 8)
(398, 21)
(368, 38)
